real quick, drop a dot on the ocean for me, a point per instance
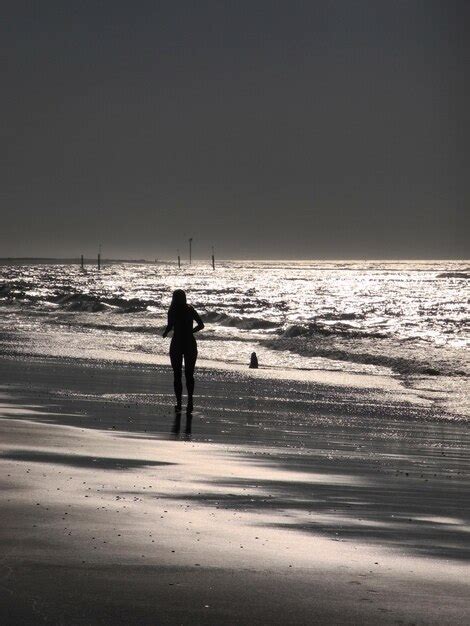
(406, 319)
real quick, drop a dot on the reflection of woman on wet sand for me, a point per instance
(183, 344)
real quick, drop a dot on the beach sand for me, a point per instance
(281, 502)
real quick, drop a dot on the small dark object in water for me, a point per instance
(254, 361)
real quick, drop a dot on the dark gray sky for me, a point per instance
(275, 129)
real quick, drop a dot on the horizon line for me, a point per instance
(76, 259)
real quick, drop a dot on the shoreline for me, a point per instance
(277, 507)
(337, 388)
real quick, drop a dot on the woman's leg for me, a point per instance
(190, 357)
(176, 357)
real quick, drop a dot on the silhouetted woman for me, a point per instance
(183, 344)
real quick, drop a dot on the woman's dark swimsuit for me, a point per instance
(183, 345)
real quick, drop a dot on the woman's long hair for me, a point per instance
(178, 305)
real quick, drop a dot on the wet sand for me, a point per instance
(280, 502)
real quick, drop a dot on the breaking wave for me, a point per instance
(317, 328)
(454, 275)
(402, 357)
(75, 301)
(244, 323)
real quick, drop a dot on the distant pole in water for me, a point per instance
(213, 258)
(179, 260)
(81, 262)
(99, 257)
(190, 240)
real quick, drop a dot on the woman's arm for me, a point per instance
(169, 326)
(198, 320)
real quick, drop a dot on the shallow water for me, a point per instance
(408, 318)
